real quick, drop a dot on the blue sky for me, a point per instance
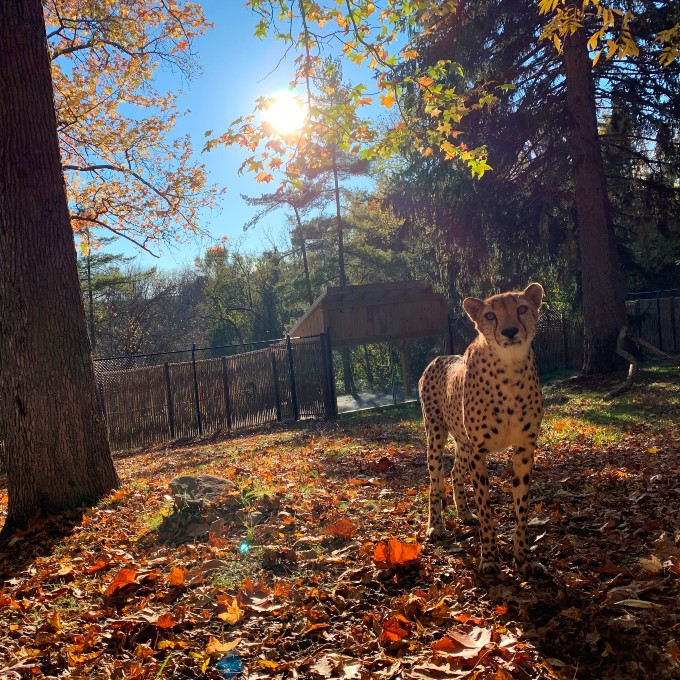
(237, 69)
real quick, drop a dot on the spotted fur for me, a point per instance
(488, 399)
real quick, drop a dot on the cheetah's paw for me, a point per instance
(488, 566)
(436, 533)
(532, 568)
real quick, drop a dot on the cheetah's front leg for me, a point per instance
(522, 465)
(436, 439)
(488, 562)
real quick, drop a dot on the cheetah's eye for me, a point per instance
(522, 309)
(490, 316)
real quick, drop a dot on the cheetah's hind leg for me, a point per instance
(460, 467)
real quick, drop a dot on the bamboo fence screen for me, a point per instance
(285, 380)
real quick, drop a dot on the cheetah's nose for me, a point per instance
(510, 332)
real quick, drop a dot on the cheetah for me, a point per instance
(488, 399)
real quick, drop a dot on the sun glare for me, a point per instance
(285, 112)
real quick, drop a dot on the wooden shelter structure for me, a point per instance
(394, 312)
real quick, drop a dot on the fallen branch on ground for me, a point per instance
(632, 361)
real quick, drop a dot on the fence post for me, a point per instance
(658, 319)
(227, 396)
(199, 421)
(674, 329)
(277, 396)
(102, 404)
(291, 371)
(328, 379)
(168, 397)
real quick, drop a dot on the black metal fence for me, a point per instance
(154, 398)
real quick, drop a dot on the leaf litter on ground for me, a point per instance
(314, 564)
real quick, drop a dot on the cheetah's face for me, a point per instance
(507, 321)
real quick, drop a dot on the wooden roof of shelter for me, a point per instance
(375, 312)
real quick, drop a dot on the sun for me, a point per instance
(284, 112)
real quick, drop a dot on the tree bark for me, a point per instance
(55, 438)
(603, 297)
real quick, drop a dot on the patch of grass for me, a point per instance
(154, 521)
(577, 409)
(235, 571)
(67, 603)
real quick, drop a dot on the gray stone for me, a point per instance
(197, 490)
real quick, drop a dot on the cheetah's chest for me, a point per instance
(499, 404)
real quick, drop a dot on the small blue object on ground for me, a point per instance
(230, 666)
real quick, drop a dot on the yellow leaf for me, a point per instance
(653, 449)
(54, 620)
(230, 612)
(652, 564)
(215, 647)
(388, 100)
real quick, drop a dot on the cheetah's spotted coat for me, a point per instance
(488, 399)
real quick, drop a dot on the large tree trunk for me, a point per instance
(55, 439)
(603, 298)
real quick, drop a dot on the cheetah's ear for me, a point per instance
(534, 291)
(473, 307)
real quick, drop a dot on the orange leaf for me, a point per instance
(396, 628)
(166, 620)
(344, 528)
(123, 578)
(465, 646)
(99, 564)
(501, 609)
(216, 647)
(395, 553)
(176, 576)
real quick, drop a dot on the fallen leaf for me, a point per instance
(395, 629)
(395, 553)
(177, 576)
(464, 645)
(166, 620)
(215, 647)
(343, 528)
(123, 578)
(651, 565)
(638, 604)
(230, 612)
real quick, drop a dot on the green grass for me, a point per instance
(578, 409)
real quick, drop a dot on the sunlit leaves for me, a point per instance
(381, 36)
(125, 172)
(612, 33)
